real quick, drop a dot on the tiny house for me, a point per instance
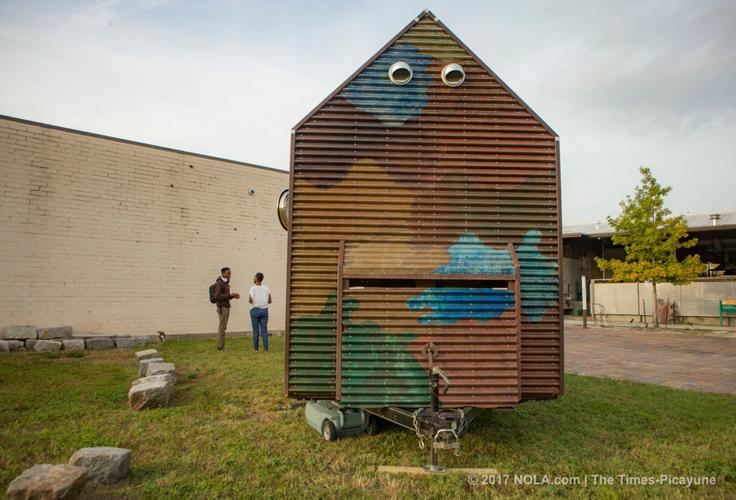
(424, 230)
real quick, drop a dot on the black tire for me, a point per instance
(373, 427)
(328, 430)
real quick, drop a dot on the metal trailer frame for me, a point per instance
(405, 418)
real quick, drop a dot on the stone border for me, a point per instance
(63, 338)
(29, 335)
(155, 383)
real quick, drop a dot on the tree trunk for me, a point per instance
(654, 307)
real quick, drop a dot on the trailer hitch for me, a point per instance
(442, 427)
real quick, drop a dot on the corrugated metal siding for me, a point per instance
(382, 363)
(463, 300)
(421, 164)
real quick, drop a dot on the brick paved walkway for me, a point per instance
(676, 360)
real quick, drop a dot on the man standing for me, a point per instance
(259, 298)
(222, 299)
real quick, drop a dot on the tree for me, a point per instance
(651, 238)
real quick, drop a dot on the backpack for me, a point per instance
(212, 293)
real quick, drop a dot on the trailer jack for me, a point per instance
(443, 427)
(439, 442)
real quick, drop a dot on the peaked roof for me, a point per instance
(414, 22)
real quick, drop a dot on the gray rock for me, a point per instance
(99, 343)
(47, 346)
(104, 464)
(148, 353)
(11, 345)
(166, 377)
(30, 343)
(15, 345)
(153, 394)
(47, 481)
(73, 344)
(55, 332)
(143, 365)
(18, 332)
(127, 342)
(160, 369)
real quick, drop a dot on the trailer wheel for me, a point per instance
(328, 430)
(372, 428)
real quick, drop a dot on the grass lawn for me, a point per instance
(227, 433)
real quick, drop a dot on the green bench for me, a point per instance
(727, 307)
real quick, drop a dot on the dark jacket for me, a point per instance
(222, 293)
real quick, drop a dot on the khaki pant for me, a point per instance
(224, 314)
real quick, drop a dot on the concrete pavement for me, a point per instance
(682, 360)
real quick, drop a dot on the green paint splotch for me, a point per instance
(378, 368)
(312, 351)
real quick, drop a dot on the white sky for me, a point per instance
(624, 84)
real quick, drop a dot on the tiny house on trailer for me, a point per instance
(423, 276)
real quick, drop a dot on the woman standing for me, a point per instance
(259, 298)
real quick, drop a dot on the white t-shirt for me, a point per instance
(259, 294)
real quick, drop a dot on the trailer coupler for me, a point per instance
(443, 427)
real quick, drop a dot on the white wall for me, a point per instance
(698, 299)
(114, 237)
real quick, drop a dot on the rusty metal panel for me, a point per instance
(382, 364)
(466, 306)
(419, 178)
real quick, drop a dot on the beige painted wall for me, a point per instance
(114, 237)
(697, 302)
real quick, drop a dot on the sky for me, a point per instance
(624, 84)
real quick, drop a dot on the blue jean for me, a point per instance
(259, 319)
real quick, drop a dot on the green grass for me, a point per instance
(227, 433)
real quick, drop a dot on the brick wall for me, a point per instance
(115, 237)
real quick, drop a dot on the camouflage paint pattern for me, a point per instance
(427, 180)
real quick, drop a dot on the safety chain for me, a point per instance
(416, 428)
(462, 425)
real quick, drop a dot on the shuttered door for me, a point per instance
(396, 298)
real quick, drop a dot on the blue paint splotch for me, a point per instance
(469, 255)
(373, 92)
(539, 278)
(450, 305)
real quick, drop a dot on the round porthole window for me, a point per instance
(283, 209)
(400, 73)
(453, 75)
